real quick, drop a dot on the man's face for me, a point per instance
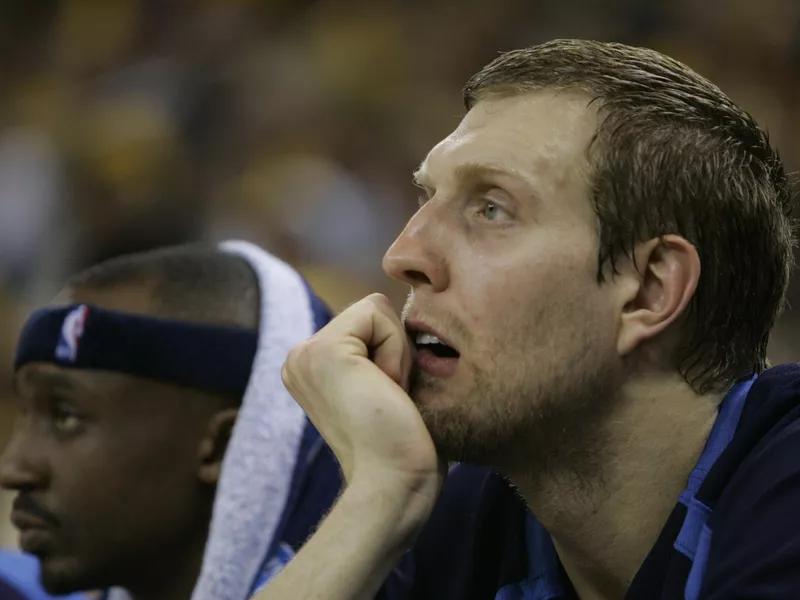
(502, 260)
(106, 470)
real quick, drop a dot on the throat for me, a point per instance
(173, 575)
(606, 499)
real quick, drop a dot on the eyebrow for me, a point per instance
(50, 379)
(475, 170)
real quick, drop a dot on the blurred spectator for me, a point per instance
(131, 182)
(30, 191)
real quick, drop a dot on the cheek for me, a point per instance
(109, 474)
(123, 504)
(538, 305)
(504, 290)
(90, 484)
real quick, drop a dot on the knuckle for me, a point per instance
(290, 366)
(294, 356)
(374, 305)
(299, 367)
(305, 357)
(378, 300)
(367, 307)
(286, 376)
(296, 359)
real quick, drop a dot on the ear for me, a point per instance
(660, 282)
(214, 444)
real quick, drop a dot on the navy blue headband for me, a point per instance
(83, 336)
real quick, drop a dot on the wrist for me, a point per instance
(349, 557)
(396, 506)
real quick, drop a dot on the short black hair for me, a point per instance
(192, 282)
(674, 155)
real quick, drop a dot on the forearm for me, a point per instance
(354, 549)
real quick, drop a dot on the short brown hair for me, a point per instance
(674, 155)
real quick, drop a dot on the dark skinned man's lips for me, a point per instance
(32, 513)
(35, 534)
(37, 526)
(24, 520)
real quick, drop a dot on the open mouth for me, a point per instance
(435, 355)
(433, 344)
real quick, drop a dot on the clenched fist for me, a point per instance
(351, 379)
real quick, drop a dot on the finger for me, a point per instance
(389, 347)
(375, 331)
(392, 355)
(407, 356)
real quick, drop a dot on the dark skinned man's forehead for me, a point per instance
(45, 376)
(133, 297)
(117, 400)
(86, 385)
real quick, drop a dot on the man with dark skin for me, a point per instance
(117, 472)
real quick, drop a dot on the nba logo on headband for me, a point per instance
(71, 332)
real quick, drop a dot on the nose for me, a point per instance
(22, 467)
(416, 256)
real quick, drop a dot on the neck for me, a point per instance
(172, 578)
(605, 516)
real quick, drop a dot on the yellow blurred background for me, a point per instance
(126, 124)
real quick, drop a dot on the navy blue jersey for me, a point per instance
(734, 533)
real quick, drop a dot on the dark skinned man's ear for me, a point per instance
(214, 445)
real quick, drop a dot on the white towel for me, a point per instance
(263, 450)
(259, 463)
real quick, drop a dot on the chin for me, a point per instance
(58, 577)
(429, 391)
(454, 433)
(431, 398)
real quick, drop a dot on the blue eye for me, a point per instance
(493, 212)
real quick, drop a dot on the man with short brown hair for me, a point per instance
(602, 247)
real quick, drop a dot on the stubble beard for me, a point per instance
(521, 427)
(540, 421)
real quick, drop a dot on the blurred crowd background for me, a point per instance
(128, 124)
